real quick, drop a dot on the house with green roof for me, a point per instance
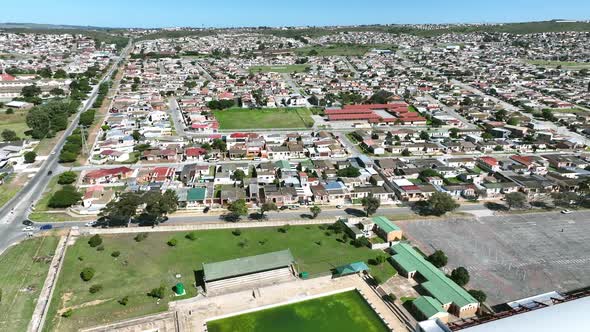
(387, 229)
(426, 307)
(433, 281)
(351, 268)
(196, 197)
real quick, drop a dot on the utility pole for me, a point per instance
(84, 145)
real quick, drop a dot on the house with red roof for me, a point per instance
(489, 164)
(107, 175)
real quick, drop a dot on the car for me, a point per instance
(566, 211)
(283, 208)
(53, 152)
(339, 206)
(90, 223)
(293, 207)
(46, 227)
(28, 229)
(50, 172)
(206, 209)
(27, 222)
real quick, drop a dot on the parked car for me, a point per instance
(28, 229)
(46, 227)
(90, 223)
(339, 206)
(283, 208)
(27, 222)
(206, 209)
(566, 211)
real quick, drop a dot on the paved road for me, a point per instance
(18, 208)
(177, 117)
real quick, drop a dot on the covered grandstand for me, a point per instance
(249, 272)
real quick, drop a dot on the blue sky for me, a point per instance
(225, 13)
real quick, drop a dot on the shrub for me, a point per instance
(172, 242)
(65, 197)
(95, 241)
(360, 242)
(191, 236)
(87, 274)
(100, 248)
(236, 232)
(124, 300)
(140, 237)
(157, 292)
(67, 313)
(95, 288)
(67, 177)
(285, 228)
(30, 157)
(116, 254)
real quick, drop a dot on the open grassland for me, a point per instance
(564, 64)
(238, 118)
(346, 311)
(341, 49)
(150, 263)
(16, 122)
(23, 269)
(279, 69)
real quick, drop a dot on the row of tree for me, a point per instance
(47, 119)
(155, 207)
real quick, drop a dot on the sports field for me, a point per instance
(279, 69)
(238, 118)
(23, 269)
(346, 311)
(142, 266)
(15, 122)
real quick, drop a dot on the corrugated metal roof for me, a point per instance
(385, 224)
(428, 306)
(351, 268)
(247, 265)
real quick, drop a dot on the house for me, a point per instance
(386, 229)
(427, 308)
(489, 164)
(107, 176)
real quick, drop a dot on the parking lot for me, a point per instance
(515, 256)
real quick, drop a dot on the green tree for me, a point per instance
(268, 206)
(513, 121)
(30, 157)
(87, 274)
(87, 118)
(158, 292)
(65, 197)
(30, 91)
(454, 132)
(60, 74)
(460, 276)
(238, 175)
(238, 208)
(438, 259)
(424, 135)
(95, 241)
(348, 172)
(39, 122)
(479, 295)
(67, 177)
(440, 203)
(219, 144)
(9, 135)
(370, 204)
(136, 135)
(515, 200)
(315, 211)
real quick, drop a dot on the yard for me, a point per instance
(15, 122)
(340, 312)
(279, 69)
(564, 64)
(237, 118)
(23, 269)
(150, 263)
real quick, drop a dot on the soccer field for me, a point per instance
(279, 69)
(237, 118)
(346, 311)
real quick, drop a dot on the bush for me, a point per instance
(116, 254)
(172, 242)
(100, 248)
(438, 259)
(480, 296)
(67, 177)
(191, 236)
(30, 157)
(124, 300)
(236, 232)
(285, 228)
(157, 292)
(140, 237)
(95, 288)
(67, 313)
(95, 241)
(460, 276)
(65, 197)
(360, 242)
(87, 274)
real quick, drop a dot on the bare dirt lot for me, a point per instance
(512, 257)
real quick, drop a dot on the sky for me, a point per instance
(235, 13)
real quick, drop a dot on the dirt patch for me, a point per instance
(83, 305)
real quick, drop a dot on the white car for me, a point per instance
(28, 229)
(90, 223)
(566, 211)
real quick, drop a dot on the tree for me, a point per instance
(67, 177)
(315, 211)
(9, 135)
(515, 200)
(30, 91)
(479, 295)
(513, 121)
(487, 136)
(428, 173)
(60, 73)
(87, 274)
(440, 203)
(219, 144)
(119, 211)
(268, 206)
(30, 157)
(87, 118)
(348, 172)
(370, 204)
(406, 153)
(136, 135)
(454, 132)
(95, 241)
(39, 122)
(65, 197)
(238, 175)
(438, 258)
(238, 208)
(95, 288)
(501, 115)
(460, 276)
(424, 136)
(158, 292)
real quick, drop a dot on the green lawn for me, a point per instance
(8, 189)
(145, 265)
(340, 312)
(564, 64)
(568, 110)
(279, 69)
(237, 118)
(21, 280)
(16, 122)
(341, 49)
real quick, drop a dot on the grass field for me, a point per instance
(340, 49)
(238, 118)
(21, 280)
(340, 312)
(568, 110)
(279, 69)
(564, 64)
(150, 263)
(15, 121)
(41, 212)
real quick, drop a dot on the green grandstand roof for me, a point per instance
(428, 306)
(351, 268)
(247, 265)
(385, 224)
(438, 285)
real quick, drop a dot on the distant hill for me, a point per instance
(37, 26)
